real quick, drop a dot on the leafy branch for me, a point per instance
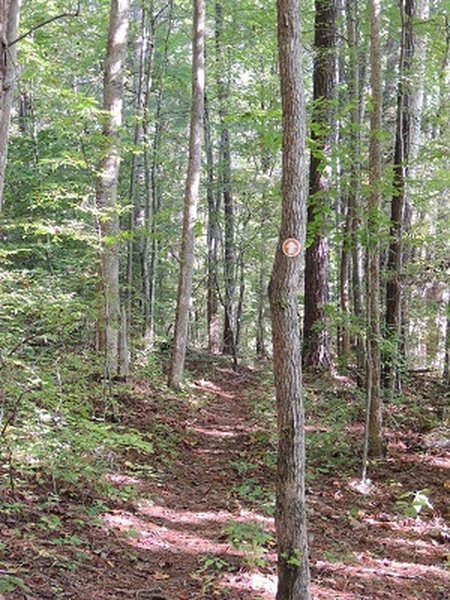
(46, 22)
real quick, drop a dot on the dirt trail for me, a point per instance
(180, 527)
(171, 540)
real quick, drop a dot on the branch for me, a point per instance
(44, 23)
(159, 13)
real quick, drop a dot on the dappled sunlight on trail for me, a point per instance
(147, 535)
(192, 519)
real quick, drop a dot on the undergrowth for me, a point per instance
(59, 422)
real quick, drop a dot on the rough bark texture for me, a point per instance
(225, 187)
(107, 185)
(290, 519)
(316, 351)
(9, 24)
(374, 405)
(191, 198)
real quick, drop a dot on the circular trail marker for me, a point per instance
(291, 247)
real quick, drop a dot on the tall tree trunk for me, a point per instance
(316, 350)
(241, 296)
(446, 372)
(350, 265)
(225, 187)
(344, 347)
(354, 179)
(261, 350)
(240, 281)
(152, 202)
(108, 169)
(212, 308)
(9, 24)
(444, 81)
(374, 405)
(402, 154)
(290, 519)
(141, 81)
(417, 88)
(191, 198)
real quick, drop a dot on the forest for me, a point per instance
(224, 299)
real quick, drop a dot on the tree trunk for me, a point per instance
(149, 201)
(290, 519)
(241, 295)
(141, 82)
(402, 154)
(446, 372)
(344, 347)
(354, 179)
(107, 182)
(350, 264)
(191, 198)
(9, 25)
(261, 350)
(152, 202)
(374, 405)
(212, 309)
(225, 187)
(316, 350)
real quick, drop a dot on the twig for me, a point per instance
(24, 340)
(44, 23)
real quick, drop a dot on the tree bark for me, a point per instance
(446, 371)
(241, 296)
(350, 264)
(225, 187)
(261, 349)
(406, 116)
(152, 202)
(316, 350)
(9, 25)
(355, 87)
(212, 309)
(290, 519)
(374, 405)
(108, 169)
(141, 56)
(191, 198)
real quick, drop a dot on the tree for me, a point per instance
(225, 188)
(190, 198)
(316, 351)
(446, 371)
(212, 309)
(407, 130)
(143, 55)
(290, 519)
(374, 405)
(152, 202)
(9, 24)
(350, 263)
(110, 319)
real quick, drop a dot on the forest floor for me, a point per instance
(195, 519)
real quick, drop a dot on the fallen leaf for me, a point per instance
(160, 576)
